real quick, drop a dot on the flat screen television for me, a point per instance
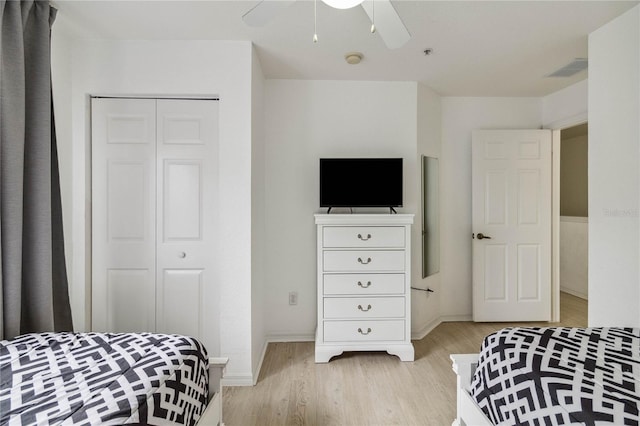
(361, 182)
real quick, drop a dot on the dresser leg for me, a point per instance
(404, 352)
(323, 355)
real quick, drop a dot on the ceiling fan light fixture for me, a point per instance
(342, 4)
(353, 58)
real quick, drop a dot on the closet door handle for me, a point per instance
(363, 262)
(363, 285)
(367, 238)
(182, 255)
(364, 310)
(363, 333)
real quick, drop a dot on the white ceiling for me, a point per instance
(480, 48)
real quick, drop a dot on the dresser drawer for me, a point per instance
(363, 236)
(364, 307)
(363, 284)
(363, 331)
(363, 260)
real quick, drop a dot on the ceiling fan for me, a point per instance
(384, 18)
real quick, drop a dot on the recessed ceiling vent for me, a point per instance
(572, 68)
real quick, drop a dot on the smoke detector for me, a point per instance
(353, 58)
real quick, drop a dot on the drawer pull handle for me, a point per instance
(363, 238)
(363, 262)
(363, 333)
(364, 285)
(364, 310)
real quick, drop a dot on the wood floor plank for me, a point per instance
(360, 388)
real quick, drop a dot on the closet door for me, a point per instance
(187, 134)
(123, 214)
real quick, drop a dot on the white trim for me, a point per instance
(252, 380)
(556, 127)
(565, 123)
(428, 328)
(555, 225)
(574, 293)
(152, 96)
(256, 371)
(288, 337)
(575, 219)
(239, 380)
(456, 318)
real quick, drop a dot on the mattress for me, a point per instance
(102, 379)
(555, 376)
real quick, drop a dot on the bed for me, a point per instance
(551, 376)
(108, 378)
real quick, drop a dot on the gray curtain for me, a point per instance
(34, 294)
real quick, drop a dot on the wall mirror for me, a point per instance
(430, 216)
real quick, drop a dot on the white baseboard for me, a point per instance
(258, 367)
(574, 293)
(288, 337)
(252, 379)
(456, 318)
(238, 380)
(428, 328)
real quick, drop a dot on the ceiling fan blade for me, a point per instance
(265, 11)
(388, 22)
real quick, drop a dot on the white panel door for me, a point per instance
(123, 222)
(511, 225)
(187, 132)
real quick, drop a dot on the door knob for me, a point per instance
(182, 255)
(481, 236)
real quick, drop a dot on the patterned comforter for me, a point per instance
(102, 379)
(555, 376)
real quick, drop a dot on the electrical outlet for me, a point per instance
(293, 297)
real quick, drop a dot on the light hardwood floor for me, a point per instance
(361, 388)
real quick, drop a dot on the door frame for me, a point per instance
(556, 127)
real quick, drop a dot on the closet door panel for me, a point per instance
(123, 226)
(127, 200)
(126, 289)
(187, 160)
(183, 201)
(181, 309)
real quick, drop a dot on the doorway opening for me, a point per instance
(574, 212)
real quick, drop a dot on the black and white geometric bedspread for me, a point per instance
(554, 376)
(102, 379)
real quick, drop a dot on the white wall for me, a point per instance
(188, 68)
(306, 120)
(425, 307)
(460, 116)
(574, 255)
(258, 225)
(614, 164)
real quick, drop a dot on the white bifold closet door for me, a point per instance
(154, 189)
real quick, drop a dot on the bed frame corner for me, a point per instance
(213, 414)
(468, 412)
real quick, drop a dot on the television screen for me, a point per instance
(360, 182)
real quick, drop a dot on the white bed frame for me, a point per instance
(468, 412)
(213, 414)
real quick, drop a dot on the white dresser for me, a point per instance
(364, 283)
